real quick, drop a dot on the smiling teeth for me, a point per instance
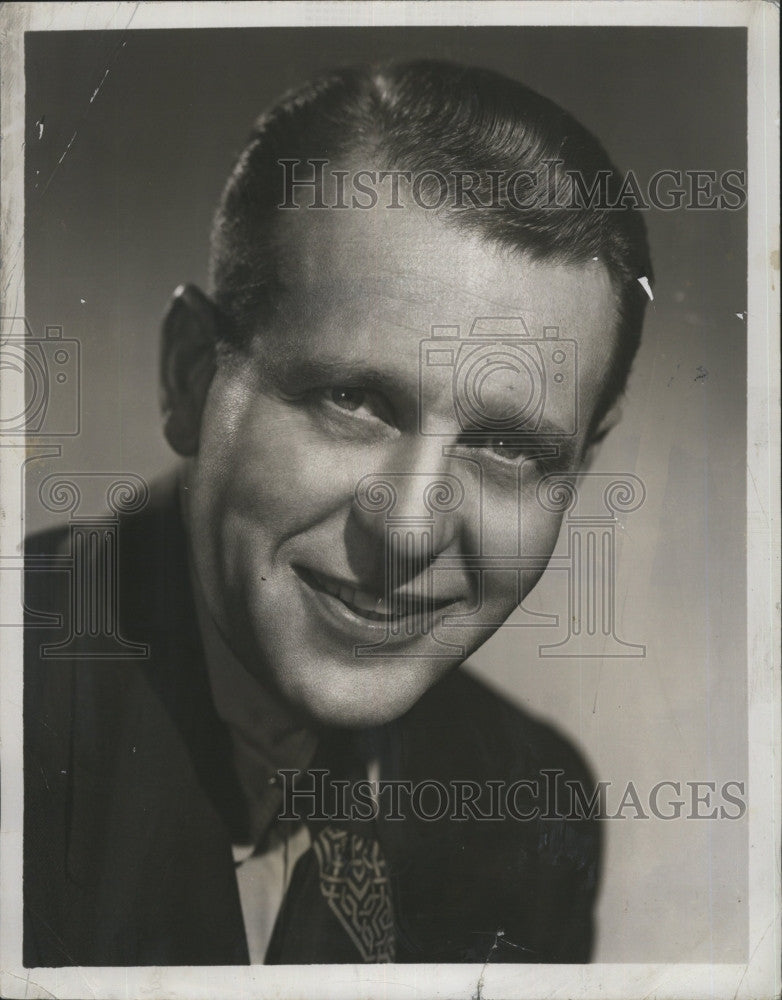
(367, 604)
(360, 599)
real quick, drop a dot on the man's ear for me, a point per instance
(187, 363)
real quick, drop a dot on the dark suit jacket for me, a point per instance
(127, 857)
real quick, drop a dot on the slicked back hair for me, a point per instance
(433, 116)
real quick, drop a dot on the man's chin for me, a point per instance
(358, 715)
(364, 697)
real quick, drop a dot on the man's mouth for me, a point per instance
(368, 604)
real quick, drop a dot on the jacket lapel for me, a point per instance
(151, 785)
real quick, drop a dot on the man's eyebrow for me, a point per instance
(293, 373)
(293, 370)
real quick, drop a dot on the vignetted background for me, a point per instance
(129, 139)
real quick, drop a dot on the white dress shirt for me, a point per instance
(265, 738)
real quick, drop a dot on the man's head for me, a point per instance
(337, 499)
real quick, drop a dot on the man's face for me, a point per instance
(292, 559)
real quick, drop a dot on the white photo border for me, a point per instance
(760, 977)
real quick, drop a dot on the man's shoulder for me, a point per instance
(472, 722)
(515, 877)
(121, 556)
(159, 510)
(107, 607)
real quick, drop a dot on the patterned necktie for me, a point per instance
(339, 907)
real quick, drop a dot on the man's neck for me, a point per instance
(265, 734)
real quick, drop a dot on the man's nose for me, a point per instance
(409, 516)
(411, 500)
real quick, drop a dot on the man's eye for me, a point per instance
(509, 450)
(348, 399)
(366, 404)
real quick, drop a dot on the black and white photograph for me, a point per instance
(389, 556)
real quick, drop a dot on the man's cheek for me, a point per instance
(534, 540)
(301, 492)
(539, 528)
(286, 460)
(510, 528)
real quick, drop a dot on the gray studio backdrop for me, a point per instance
(128, 140)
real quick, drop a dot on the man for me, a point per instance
(331, 549)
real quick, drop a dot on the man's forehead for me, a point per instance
(410, 266)
(368, 293)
